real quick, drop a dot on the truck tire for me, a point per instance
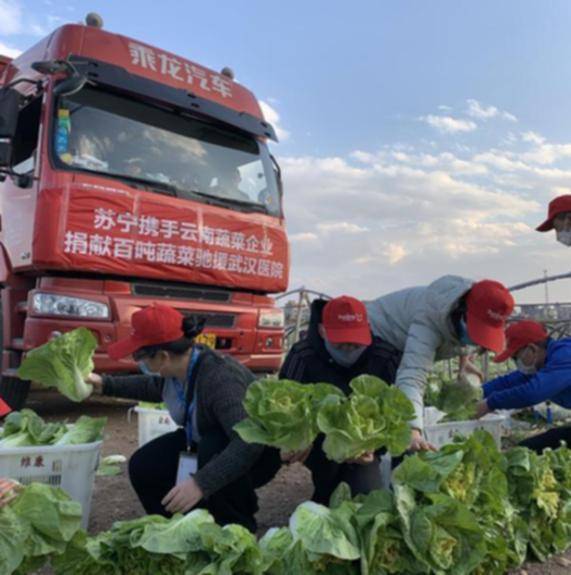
(14, 392)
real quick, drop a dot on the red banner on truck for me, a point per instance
(121, 232)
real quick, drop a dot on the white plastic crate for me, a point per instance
(440, 434)
(71, 467)
(153, 423)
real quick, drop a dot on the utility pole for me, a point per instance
(546, 284)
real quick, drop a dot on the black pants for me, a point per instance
(327, 475)
(551, 438)
(153, 469)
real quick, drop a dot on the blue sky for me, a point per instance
(422, 137)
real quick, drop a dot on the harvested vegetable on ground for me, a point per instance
(36, 526)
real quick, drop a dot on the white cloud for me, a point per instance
(406, 214)
(10, 17)
(532, 137)
(303, 237)
(476, 110)
(448, 124)
(6, 50)
(341, 227)
(272, 116)
(481, 112)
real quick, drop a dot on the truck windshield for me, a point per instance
(108, 134)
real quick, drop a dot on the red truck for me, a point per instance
(129, 175)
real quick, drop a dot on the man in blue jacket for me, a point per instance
(543, 373)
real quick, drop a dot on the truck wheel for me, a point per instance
(14, 392)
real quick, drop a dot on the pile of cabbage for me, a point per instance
(467, 509)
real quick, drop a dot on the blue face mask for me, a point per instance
(146, 371)
(463, 336)
(345, 358)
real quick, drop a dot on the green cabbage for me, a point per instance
(24, 428)
(37, 525)
(283, 413)
(64, 363)
(376, 415)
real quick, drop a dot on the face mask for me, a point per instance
(525, 369)
(344, 357)
(463, 336)
(146, 371)
(564, 237)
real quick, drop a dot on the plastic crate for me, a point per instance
(71, 467)
(440, 434)
(153, 423)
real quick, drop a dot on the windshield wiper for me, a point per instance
(161, 187)
(254, 206)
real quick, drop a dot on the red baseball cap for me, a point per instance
(557, 206)
(520, 334)
(489, 304)
(5, 409)
(150, 326)
(345, 321)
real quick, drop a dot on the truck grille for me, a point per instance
(225, 320)
(180, 292)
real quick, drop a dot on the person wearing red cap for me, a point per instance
(543, 373)
(5, 409)
(203, 391)
(338, 347)
(559, 219)
(431, 323)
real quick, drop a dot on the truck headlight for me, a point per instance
(271, 318)
(61, 305)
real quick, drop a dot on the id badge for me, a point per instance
(187, 466)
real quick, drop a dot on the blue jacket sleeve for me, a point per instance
(504, 382)
(544, 385)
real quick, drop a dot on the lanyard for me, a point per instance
(188, 398)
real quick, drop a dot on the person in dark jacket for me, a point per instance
(338, 347)
(203, 391)
(543, 373)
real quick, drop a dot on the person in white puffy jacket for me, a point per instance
(431, 323)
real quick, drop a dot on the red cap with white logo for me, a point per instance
(489, 305)
(345, 321)
(150, 326)
(520, 334)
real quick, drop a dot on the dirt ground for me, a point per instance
(114, 500)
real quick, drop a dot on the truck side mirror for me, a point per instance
(9, 107)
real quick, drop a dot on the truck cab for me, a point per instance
(130, 175)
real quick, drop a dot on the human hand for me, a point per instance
(363, 459)
(96, 381)
(418, 443)
(183, 497)
(295, 456)
(482, 409)
(8, 491)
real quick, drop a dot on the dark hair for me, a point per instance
(458, 313)
(191, 328)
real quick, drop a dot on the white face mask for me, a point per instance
(564, 237)
(525, 369)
